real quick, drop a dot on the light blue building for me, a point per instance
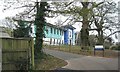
(55, 35)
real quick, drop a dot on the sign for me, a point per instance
(99, 47)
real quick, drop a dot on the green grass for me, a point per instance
(78, 50)
(49, 62)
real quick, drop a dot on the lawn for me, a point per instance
(77, 50)
(49, 63)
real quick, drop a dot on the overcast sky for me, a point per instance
(13, 12)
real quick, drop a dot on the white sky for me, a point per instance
(13, 12)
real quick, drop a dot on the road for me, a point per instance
(80, 62)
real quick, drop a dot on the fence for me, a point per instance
(17, 53)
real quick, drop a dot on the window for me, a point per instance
(54, 41)
(60, 42)
(57, 31)
(70, 42)
(50, 41)
(60, 32)
(57, 41)
(47, 29)
(70, 34)
(51, 30)
(54, 31)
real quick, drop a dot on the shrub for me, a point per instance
(115, 47)
(107, 47)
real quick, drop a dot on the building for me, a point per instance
(3, 33)
(55, 35)
(77, 38)
(69, 35)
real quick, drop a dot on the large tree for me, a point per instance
(78, 13)
(103, 19)
(23, 29)
(85, 24)
(40, 23)
(31, 11)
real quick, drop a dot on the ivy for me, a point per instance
(40, 23)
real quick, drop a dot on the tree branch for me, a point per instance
(68, 4)
(23, 6)
(112, 34)
(66, 20)
(30, 10)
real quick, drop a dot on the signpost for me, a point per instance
(99, 48)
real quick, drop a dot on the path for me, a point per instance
(80, 62)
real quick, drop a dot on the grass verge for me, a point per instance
(77, 50)
(49, 62)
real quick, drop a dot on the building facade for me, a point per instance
(55, 35)
(69, 35)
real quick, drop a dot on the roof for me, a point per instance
(62, 27)
(3, 33)
(68, 27)
(54, 26)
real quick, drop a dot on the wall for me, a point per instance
(53, 38)
(52, 35)
(66, 37)
(73, 37)
(69, 37)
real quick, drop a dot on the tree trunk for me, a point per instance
(85, 35)
(85, 24)
(100, 37)
(39, 22)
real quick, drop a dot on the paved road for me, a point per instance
(80, 62)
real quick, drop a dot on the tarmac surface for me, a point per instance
(80, 62)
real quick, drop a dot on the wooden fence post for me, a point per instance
(103, 52)
(59, 45)
(0, 54)
(32, 53)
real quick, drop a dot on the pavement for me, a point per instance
(80, 62)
